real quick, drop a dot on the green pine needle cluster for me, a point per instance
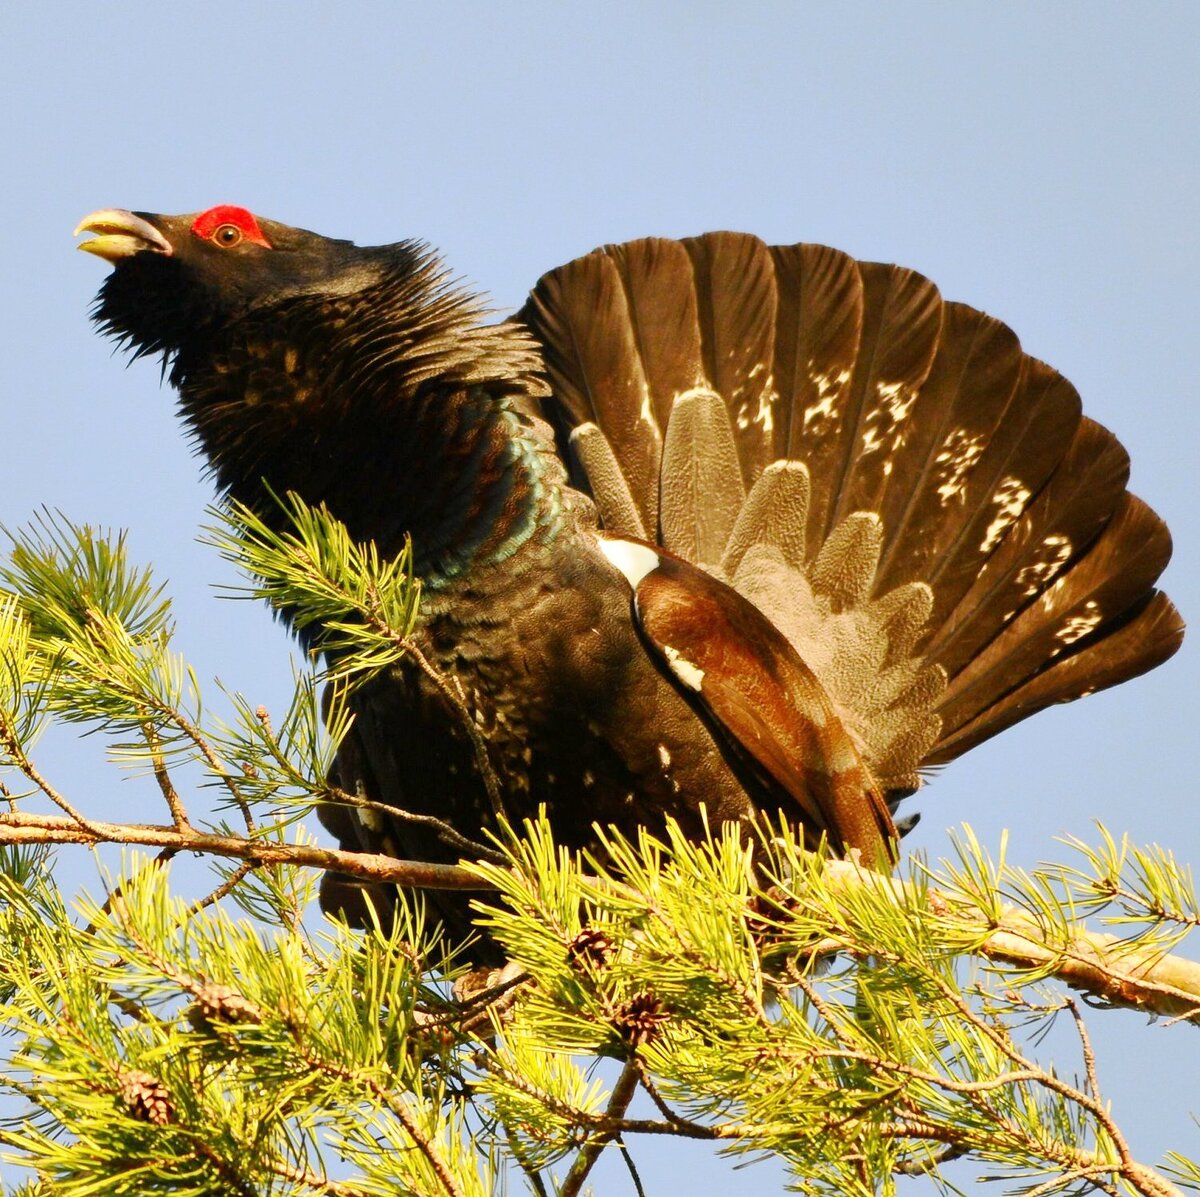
(352, 605)
(797, 1012)
(738, 991)
(172, 1050)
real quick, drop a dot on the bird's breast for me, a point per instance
(547, 685)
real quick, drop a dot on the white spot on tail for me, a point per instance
(1040, 573)
(1079, 625)
(960, 451)
(896, 399)
(829, 388)
(689, 674)
(765, 416)
(816, 414)
(882, 426)
(664, 755)
(1010, 497)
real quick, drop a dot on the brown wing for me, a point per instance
(742, 672)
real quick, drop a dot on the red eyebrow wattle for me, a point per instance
(208, 222)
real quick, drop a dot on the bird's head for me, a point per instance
(176, 276)
(295, 354)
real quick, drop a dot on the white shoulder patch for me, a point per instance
(634, 560)
(370, 818)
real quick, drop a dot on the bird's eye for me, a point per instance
(227, 235)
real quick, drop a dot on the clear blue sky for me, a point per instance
(1039, 161)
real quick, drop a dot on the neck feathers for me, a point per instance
(393, 404)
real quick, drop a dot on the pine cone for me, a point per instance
(221, 1004)
(590, 950)
(765, 913)
(639, 1019)
(147, 1098)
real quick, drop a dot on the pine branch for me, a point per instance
(160, 1037)
(17, 828)
(891, 1056)
(618, 1103)
(1105, 966)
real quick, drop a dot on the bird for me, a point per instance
(708, 531)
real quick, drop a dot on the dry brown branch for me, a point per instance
(399, 1109)
(589, 1153)
(163, 777)
(315, 1182)
(1103, 965)
(447, 834)
(456, 700)
(12, 747)
(226, 887)
(19, 828)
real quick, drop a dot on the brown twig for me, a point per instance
(11, 744)
(1085, 1046)
(1074, 1161)
(226, 887)
(1103, 965)
(638, 1188)
(314, 1182)
(446, 833)
(20, 828)
(441, 683)
(335, 794)
(482, 760)
(386, 1097)
(589, 1153)
(163, 777)
(531, 1173)
(1096, 1177)
(115, 895)
(205, 749)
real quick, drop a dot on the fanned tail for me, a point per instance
(917, 504)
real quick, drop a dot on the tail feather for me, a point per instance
(1039, 546)
(917, 504)
(596, 370)
(736, 307)
(961, 410)
(819, 328)
(1020, 454)
(658, 281)
(902, 319)
(1149, 636)
(1096, 592)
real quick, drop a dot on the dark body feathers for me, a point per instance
(863, 530)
